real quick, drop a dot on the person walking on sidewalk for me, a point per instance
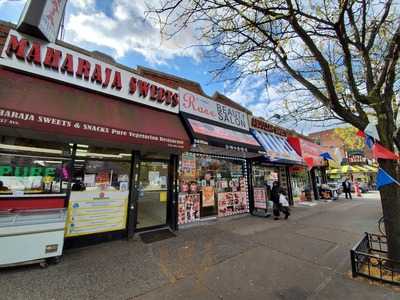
(284, 204)
(347, 188)
(275, 192)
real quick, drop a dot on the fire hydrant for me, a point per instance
(357, 189)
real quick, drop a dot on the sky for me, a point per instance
(121, 29)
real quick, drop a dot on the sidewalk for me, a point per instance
(305, 257)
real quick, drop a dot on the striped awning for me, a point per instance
(353, 169)
(277, 148)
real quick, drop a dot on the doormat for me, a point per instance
(156, 236)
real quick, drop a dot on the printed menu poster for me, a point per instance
(188, 166)
(188, 208)
(232, 203)
(208, 196)
(96, 211)
(260, 200)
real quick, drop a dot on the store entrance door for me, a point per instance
(152, 203)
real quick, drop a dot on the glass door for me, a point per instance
(153, 194)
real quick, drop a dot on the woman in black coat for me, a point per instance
(275, 199)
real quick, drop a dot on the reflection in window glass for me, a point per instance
(23, 174)
(221, 184)
(99, 197)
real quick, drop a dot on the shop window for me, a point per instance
(22, 175)
(95, 152)
(99, 197)
(211, 186)
(16, 145)
(301, 184)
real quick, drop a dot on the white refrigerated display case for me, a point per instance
(29, 236)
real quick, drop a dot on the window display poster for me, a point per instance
(103, 177)
(208, 196)
(188, 208)
(232, 203)
(89, 180)
(260, 199)
(188, 166)
(154, 178)
(92, 212)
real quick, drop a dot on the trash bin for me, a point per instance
(31, 236)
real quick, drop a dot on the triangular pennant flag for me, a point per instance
(309, 162)
(369, 141)
(379, 151)
(361, 133)
(326, 156)
(383, 178)
(372, 131)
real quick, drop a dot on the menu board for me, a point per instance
(208, 196)
(96, 211)
(188, 208)
(232, 203)
(260, 199)
(188, 166)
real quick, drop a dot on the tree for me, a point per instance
(341, 55)
(349, 138)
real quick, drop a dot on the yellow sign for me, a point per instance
(92, 212)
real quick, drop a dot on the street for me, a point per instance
(244, 257)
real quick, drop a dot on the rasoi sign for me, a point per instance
(58, 63)
(200, 106)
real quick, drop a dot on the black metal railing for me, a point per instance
(368, 259)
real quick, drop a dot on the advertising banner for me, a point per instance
(208, 196)
(232, 203)
(260, 199)
(188, 208)
(94, 212)
(201, 106)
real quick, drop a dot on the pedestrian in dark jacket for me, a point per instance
(275, 193)
(347, 188)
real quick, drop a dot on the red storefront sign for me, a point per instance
(263, 125)
(62, 64)
(72, 112)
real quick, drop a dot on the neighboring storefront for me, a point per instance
(275, 165)
(307, 181)
(91, 136)
(214, 175)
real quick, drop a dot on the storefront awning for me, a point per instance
(277, 148)
(30, 103)
(310, 151)
(222, 137)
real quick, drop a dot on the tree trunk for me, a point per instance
(391, 210)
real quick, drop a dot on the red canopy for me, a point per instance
(381, 152)
(36, 104)
(308, 150)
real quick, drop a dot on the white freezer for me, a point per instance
(31, 235)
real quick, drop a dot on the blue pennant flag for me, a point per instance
(369, 141)
(326, 156)
(383, 178)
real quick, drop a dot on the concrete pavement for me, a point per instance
(305, 257)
